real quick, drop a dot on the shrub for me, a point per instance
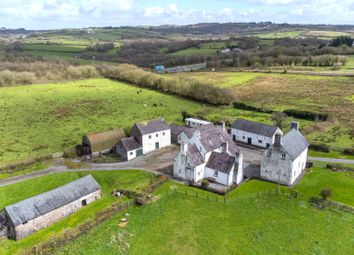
(205, 183)
(326, 193)
(349, 151)
(339, 167)
(306, 115)
(320, 147)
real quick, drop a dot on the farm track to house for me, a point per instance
(154, 162)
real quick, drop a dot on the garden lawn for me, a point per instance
(131, 180)
(268, 224)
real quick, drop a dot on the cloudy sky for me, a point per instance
(43, 14)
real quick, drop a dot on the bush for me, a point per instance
(339, 167)
(320, 147)
(349, 151)
(205, 183)
(307, 115)
(326, 193)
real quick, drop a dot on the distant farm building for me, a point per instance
(30, 215)
(159, 68)
(101, 143)
(225, 51)
(254, 133)
(154, 135)
(196, 123)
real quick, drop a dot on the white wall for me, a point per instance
(298, 166)
(195, 123)
(222, 178)
(149, 140)
(257, 140)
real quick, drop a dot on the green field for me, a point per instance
(131, 180)
(46, 118)
(274, 35)
(55, 47)
(268, 224)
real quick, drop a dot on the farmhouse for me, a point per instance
(196, 123)
(101, 143)
(180, 134)
(285, 161)
(254, 133)
(154, 135)
(209, 154)
(23, 218)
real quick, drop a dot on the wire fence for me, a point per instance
(225, 199)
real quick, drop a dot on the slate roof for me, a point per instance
(222, 162)
(294, 143)
(104, 141)
(194, 155)
(130, 143)
(36, 206)
(152, 127)
(176, 129)
(254, 127)
(211, 138)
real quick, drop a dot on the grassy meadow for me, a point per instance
(131, 180)
(268, 224)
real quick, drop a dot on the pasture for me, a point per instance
(130, 180)
(267, 224)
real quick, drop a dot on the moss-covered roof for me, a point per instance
(104, 141)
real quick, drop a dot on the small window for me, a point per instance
(163, 133)
(216, 173)
(269, 153)
(149, 136)
(157, 135)
(84, 202)
(25, 222)
(131, 153)
(260, 141)
(243, 137)
(283, 156)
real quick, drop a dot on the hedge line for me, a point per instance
(307, 115)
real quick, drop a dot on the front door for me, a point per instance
(249, 140)
(139, 152)
(157, 146)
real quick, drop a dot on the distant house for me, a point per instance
(154, 135)
(254, 133)
(225, 51)
(285, 160)
(196, 123)
(30, 215)
(209, 154)
(159, 68)
(101, 143)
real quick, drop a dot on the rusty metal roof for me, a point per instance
(104, 141)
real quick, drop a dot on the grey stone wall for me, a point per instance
(45, 220)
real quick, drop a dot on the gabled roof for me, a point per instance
(294, 143)
(152, 127)
(177, 130)
(104, 141)
(222, 162)
(194, 155)
(254, 127)
(130, 143)
(211, 138)
(36, 206)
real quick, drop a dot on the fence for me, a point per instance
(225, 200)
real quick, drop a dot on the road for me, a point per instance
(153, 162)
(333, 160)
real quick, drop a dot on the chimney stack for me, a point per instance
(222, 126)
(224, 147)
(184, 148)
(294, 125)
(277, 140)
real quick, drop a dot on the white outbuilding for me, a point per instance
(196, 123)
(254, 133)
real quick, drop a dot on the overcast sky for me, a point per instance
(44, 14)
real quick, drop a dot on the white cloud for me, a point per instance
(157, 10)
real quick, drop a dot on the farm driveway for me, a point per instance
(153, 162)
(333, 160)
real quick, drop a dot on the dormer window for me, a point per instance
(283, 156)
(216, 173)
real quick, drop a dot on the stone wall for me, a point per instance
(47, 219)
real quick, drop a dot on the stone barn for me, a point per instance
(101, 143)
(30, 215)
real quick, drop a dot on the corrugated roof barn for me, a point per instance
(102, 142)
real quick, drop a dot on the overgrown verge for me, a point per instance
(183, 86)
(340, 167)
